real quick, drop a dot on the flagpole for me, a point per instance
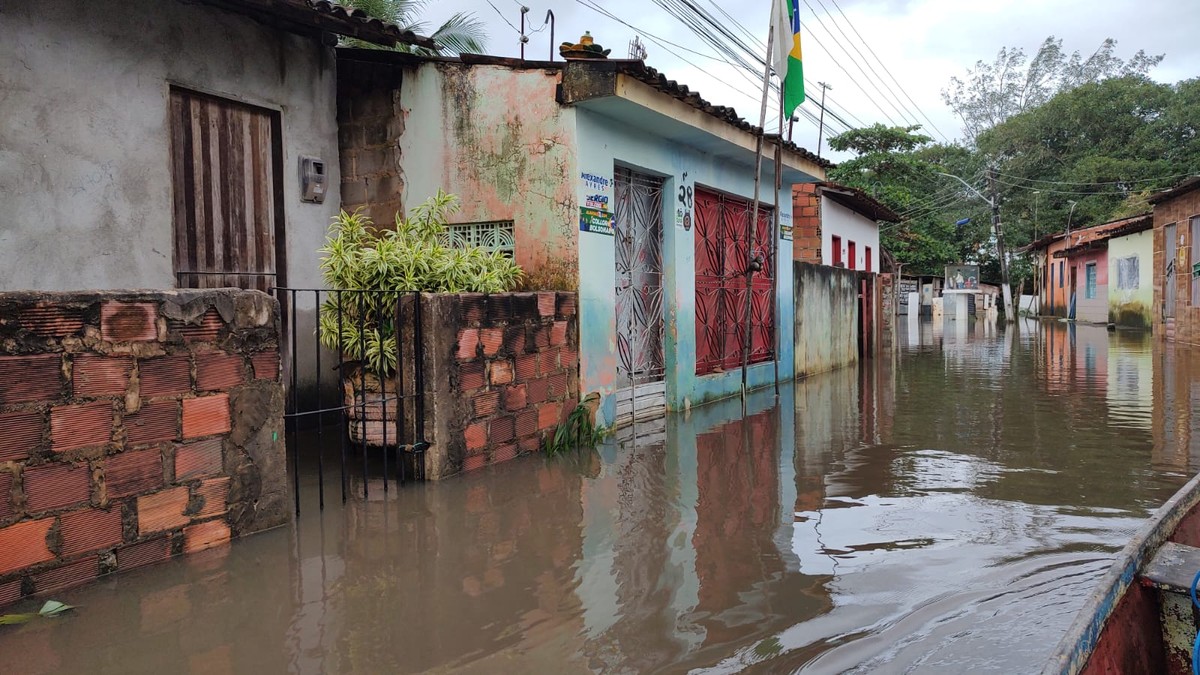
(775, 243)
(753, 222)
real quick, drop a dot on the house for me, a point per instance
(174, 144)
(1076, 272)
(149, 142)
(1176, 311)
(602, 176)
(844, 308)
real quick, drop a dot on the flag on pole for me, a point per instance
(787, 59)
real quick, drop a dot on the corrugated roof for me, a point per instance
(308, 16)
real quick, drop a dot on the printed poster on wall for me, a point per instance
(595, 215)
(785, 226)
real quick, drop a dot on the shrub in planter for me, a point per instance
(378, 266)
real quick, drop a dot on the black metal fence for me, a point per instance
(355, 382)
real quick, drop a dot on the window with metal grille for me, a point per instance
(493, 235)
(1127, 273)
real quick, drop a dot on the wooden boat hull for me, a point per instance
(1128, 625)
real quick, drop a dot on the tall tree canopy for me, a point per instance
(462, 32)
(991, 93)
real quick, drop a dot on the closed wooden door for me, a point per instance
(227, 188)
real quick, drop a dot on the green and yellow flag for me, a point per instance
(787, 58)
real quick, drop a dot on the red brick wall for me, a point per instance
(132, 430)
(1187, 317)
(806, 223)
(511, 375)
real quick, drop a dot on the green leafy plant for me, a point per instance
(578, 431)
(414, 256)
(51, 609)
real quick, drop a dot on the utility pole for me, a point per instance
(1006, 288)
(821, 124)
(994, 202)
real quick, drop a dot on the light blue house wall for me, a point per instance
(605, 143)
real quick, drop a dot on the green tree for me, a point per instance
(463, 32)
(900, 167)
(991, 93)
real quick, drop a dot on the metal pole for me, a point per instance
(550, 20)
(1009, 315)
(762, 121)
(775, 248)
(524, 39)
(821, 124)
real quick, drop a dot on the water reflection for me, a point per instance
(945, 510)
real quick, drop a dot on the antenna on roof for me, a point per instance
(637, 50)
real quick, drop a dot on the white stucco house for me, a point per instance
(838, 225)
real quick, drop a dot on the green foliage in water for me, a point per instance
(579, 431)
(413, 256)
(51, 609)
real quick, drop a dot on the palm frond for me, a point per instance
(462, 33)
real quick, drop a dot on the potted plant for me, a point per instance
(375, 267)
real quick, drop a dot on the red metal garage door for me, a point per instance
(721, 229)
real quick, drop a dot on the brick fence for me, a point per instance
(506, 373)
(136, 426)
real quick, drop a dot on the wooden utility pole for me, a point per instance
(753, 219)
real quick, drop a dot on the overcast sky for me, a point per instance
(922, 42)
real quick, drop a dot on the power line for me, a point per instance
(857, 64)
(1114, 182)
(885, 69)
(510, 24)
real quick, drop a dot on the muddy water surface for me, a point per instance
(944, 511)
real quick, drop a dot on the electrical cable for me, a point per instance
(510, 24)
(1114, 182)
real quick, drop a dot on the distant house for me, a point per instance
(602, 176)
(844, 308)
(838, 225)
(1093, 274)
(1177, 262)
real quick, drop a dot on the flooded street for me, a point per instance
(945, 511)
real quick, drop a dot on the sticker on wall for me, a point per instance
(595, 220)
(594, 182)
(785, 226)
(683, 212)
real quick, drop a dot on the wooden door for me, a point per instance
(227, 187)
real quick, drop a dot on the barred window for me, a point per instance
(1127, 273)
(493, 235)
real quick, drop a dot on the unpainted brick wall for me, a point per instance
(508, 372)
(1179, 211)
(806, 223)
(135, 426)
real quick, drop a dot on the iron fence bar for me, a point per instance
(320, 416)
(383, 409)
(362, 391)
(295, 405)
(419, 457)
(342, 390)
(399, 390)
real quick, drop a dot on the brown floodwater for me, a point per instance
(945, 511)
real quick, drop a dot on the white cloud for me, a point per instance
(922, 42)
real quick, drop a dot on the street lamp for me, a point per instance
(1070, 215)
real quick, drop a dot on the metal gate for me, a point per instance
(368, 421)
(722, 256)
(638, 230)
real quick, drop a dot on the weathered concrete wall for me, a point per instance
(1179, 211)
(1131, 307)
(826, 318)
(502, 371)
(605, 143)
(497, 138)
(1057, 282)
(85, 174)
(136, 426)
